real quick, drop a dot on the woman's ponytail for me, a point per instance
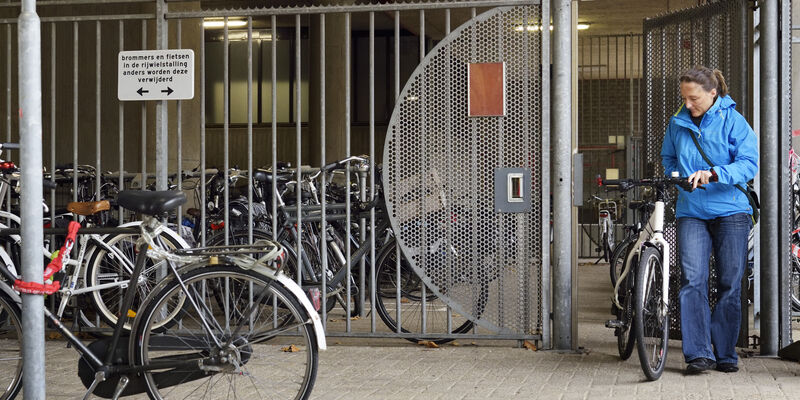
(722, 87)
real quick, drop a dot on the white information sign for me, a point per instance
(155, 75)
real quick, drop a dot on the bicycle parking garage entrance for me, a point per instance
(401, 153)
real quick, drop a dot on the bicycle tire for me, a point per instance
(651, 323)
(618, 257)
(104, 267)
(241, 368)
(411, 301)
(606, 249)
(312, 255)
(10, 348)
(625, 335)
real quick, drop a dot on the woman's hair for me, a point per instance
(707, 78)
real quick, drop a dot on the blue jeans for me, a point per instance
(714, 334)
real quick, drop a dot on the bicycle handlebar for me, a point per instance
(628, 184)
(9, 146)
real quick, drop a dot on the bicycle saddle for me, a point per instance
(89, 207)
(260, 176)
(150, 203)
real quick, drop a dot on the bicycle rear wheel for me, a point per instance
(625, 333)
(618, 257)
(411, 288)
(113, 262)
(652, 320)
(10, 348)
(259, 342)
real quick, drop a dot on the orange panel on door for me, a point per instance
(487, 89)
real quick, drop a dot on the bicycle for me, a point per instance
(644, 281)
(606, 213)
(186, 330)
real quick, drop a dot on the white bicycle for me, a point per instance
(641, 294)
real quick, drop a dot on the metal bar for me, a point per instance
(143, 166)
(449, 140)
(298, 143)
(179, 135)
(396, 101)
(347, 83)
(324, 221)
(338, 9)
(785, 223)
(52, 127)
(121, 143)
(8, 112)
(458, 336)
(75, 112)
(250, 129)
(226, 103)
(562, 154)
(162, 110)
(98, 144)
(203, 139)
(372, 281)
(546, 182)
(87, 18)
(274, 25)
(30, 127)
(424, 158)
(73, 2)
(769, 180)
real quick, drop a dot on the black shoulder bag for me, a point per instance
(751, 194)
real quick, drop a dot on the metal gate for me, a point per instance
(264, 98)
(713, 35)
(440, 175)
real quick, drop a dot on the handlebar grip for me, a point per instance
(49, 185)
(610, 182)
(9, 146)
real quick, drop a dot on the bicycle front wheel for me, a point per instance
(255, 342)
(652, 319)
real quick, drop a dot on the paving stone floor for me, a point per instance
(355, 369)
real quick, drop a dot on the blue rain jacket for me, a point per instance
(729, 142)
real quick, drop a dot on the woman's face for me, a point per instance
(697, 100)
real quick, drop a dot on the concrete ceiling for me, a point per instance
(606, 17)
(611, 17)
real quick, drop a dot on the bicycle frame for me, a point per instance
(651, 235)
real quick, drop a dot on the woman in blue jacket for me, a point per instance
(716, 219)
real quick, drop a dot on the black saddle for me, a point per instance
(150, 203)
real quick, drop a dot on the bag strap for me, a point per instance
(753, 203)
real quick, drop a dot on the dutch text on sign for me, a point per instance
(155, 75)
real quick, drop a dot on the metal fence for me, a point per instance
(714, 35)
(293, 84)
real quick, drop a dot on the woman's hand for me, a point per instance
(699, 178)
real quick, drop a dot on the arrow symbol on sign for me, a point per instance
(168, 91)
(141, 90)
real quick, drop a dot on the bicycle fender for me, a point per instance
(168, 231)
(293, 287)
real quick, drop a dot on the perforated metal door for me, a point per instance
(439, 174)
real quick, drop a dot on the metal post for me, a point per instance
(98, 144)
(322, 116)
(162, 116)
(785, 224)
(546, 178)
(562, 175)
(30, 128)
(769, 178)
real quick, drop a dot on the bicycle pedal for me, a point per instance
(614, 324)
